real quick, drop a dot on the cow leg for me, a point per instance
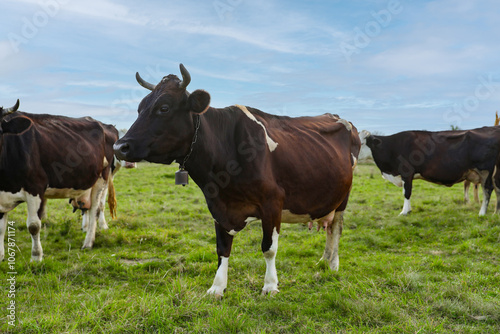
(270, 228)
(3, 228)
(496, 186)
(487, 183)
(224, 244)
(466, 191)
(486, 201)
(476, 193)
(43, 213)
(34, 223)
(333, 233)
(497, 206)
(85, 219)
(102, 206)
(93, 212)
(407, 185)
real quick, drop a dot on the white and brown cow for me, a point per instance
(45, 156)
(83, 203)
(249, 164)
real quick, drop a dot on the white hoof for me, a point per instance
(88, 245)
(270, 289)
(36, 258)
(216, 291)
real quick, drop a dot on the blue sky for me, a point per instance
(387, 66)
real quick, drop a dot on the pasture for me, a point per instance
(436, 270)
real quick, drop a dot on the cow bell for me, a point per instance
(181, 177)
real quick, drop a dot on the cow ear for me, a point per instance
(199, 101)
(377, 141)
(16, 125)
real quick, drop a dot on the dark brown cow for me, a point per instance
(476, 179)
(44, 156)
(443, 157)
(250, 165)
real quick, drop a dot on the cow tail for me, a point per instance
(112, 198)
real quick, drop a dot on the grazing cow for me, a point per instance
(444, 157)
(44, 156)
(249, 164)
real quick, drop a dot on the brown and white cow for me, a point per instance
(443, 157)
(45, 156)
(83, 203)
(249, 164)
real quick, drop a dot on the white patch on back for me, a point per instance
(347, 124)
(396, 180)
(270, 143)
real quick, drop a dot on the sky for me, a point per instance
(386, 66)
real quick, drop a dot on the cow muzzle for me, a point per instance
(122, 150)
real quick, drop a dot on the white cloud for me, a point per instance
(6, 51)
(419, 60)
(99, 9)
(101, 84)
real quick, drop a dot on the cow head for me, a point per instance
(7, 111)
(165, 125)
(365, 153)
(13, 125)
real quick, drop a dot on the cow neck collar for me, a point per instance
(195, 138)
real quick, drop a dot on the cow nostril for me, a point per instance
(125, 148)
(122, 149)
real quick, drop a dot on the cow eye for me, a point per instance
(164, 108)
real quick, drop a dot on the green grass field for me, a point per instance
(435, 271)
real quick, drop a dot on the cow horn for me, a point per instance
(10, 110)
(186, 77)
(144, 83)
